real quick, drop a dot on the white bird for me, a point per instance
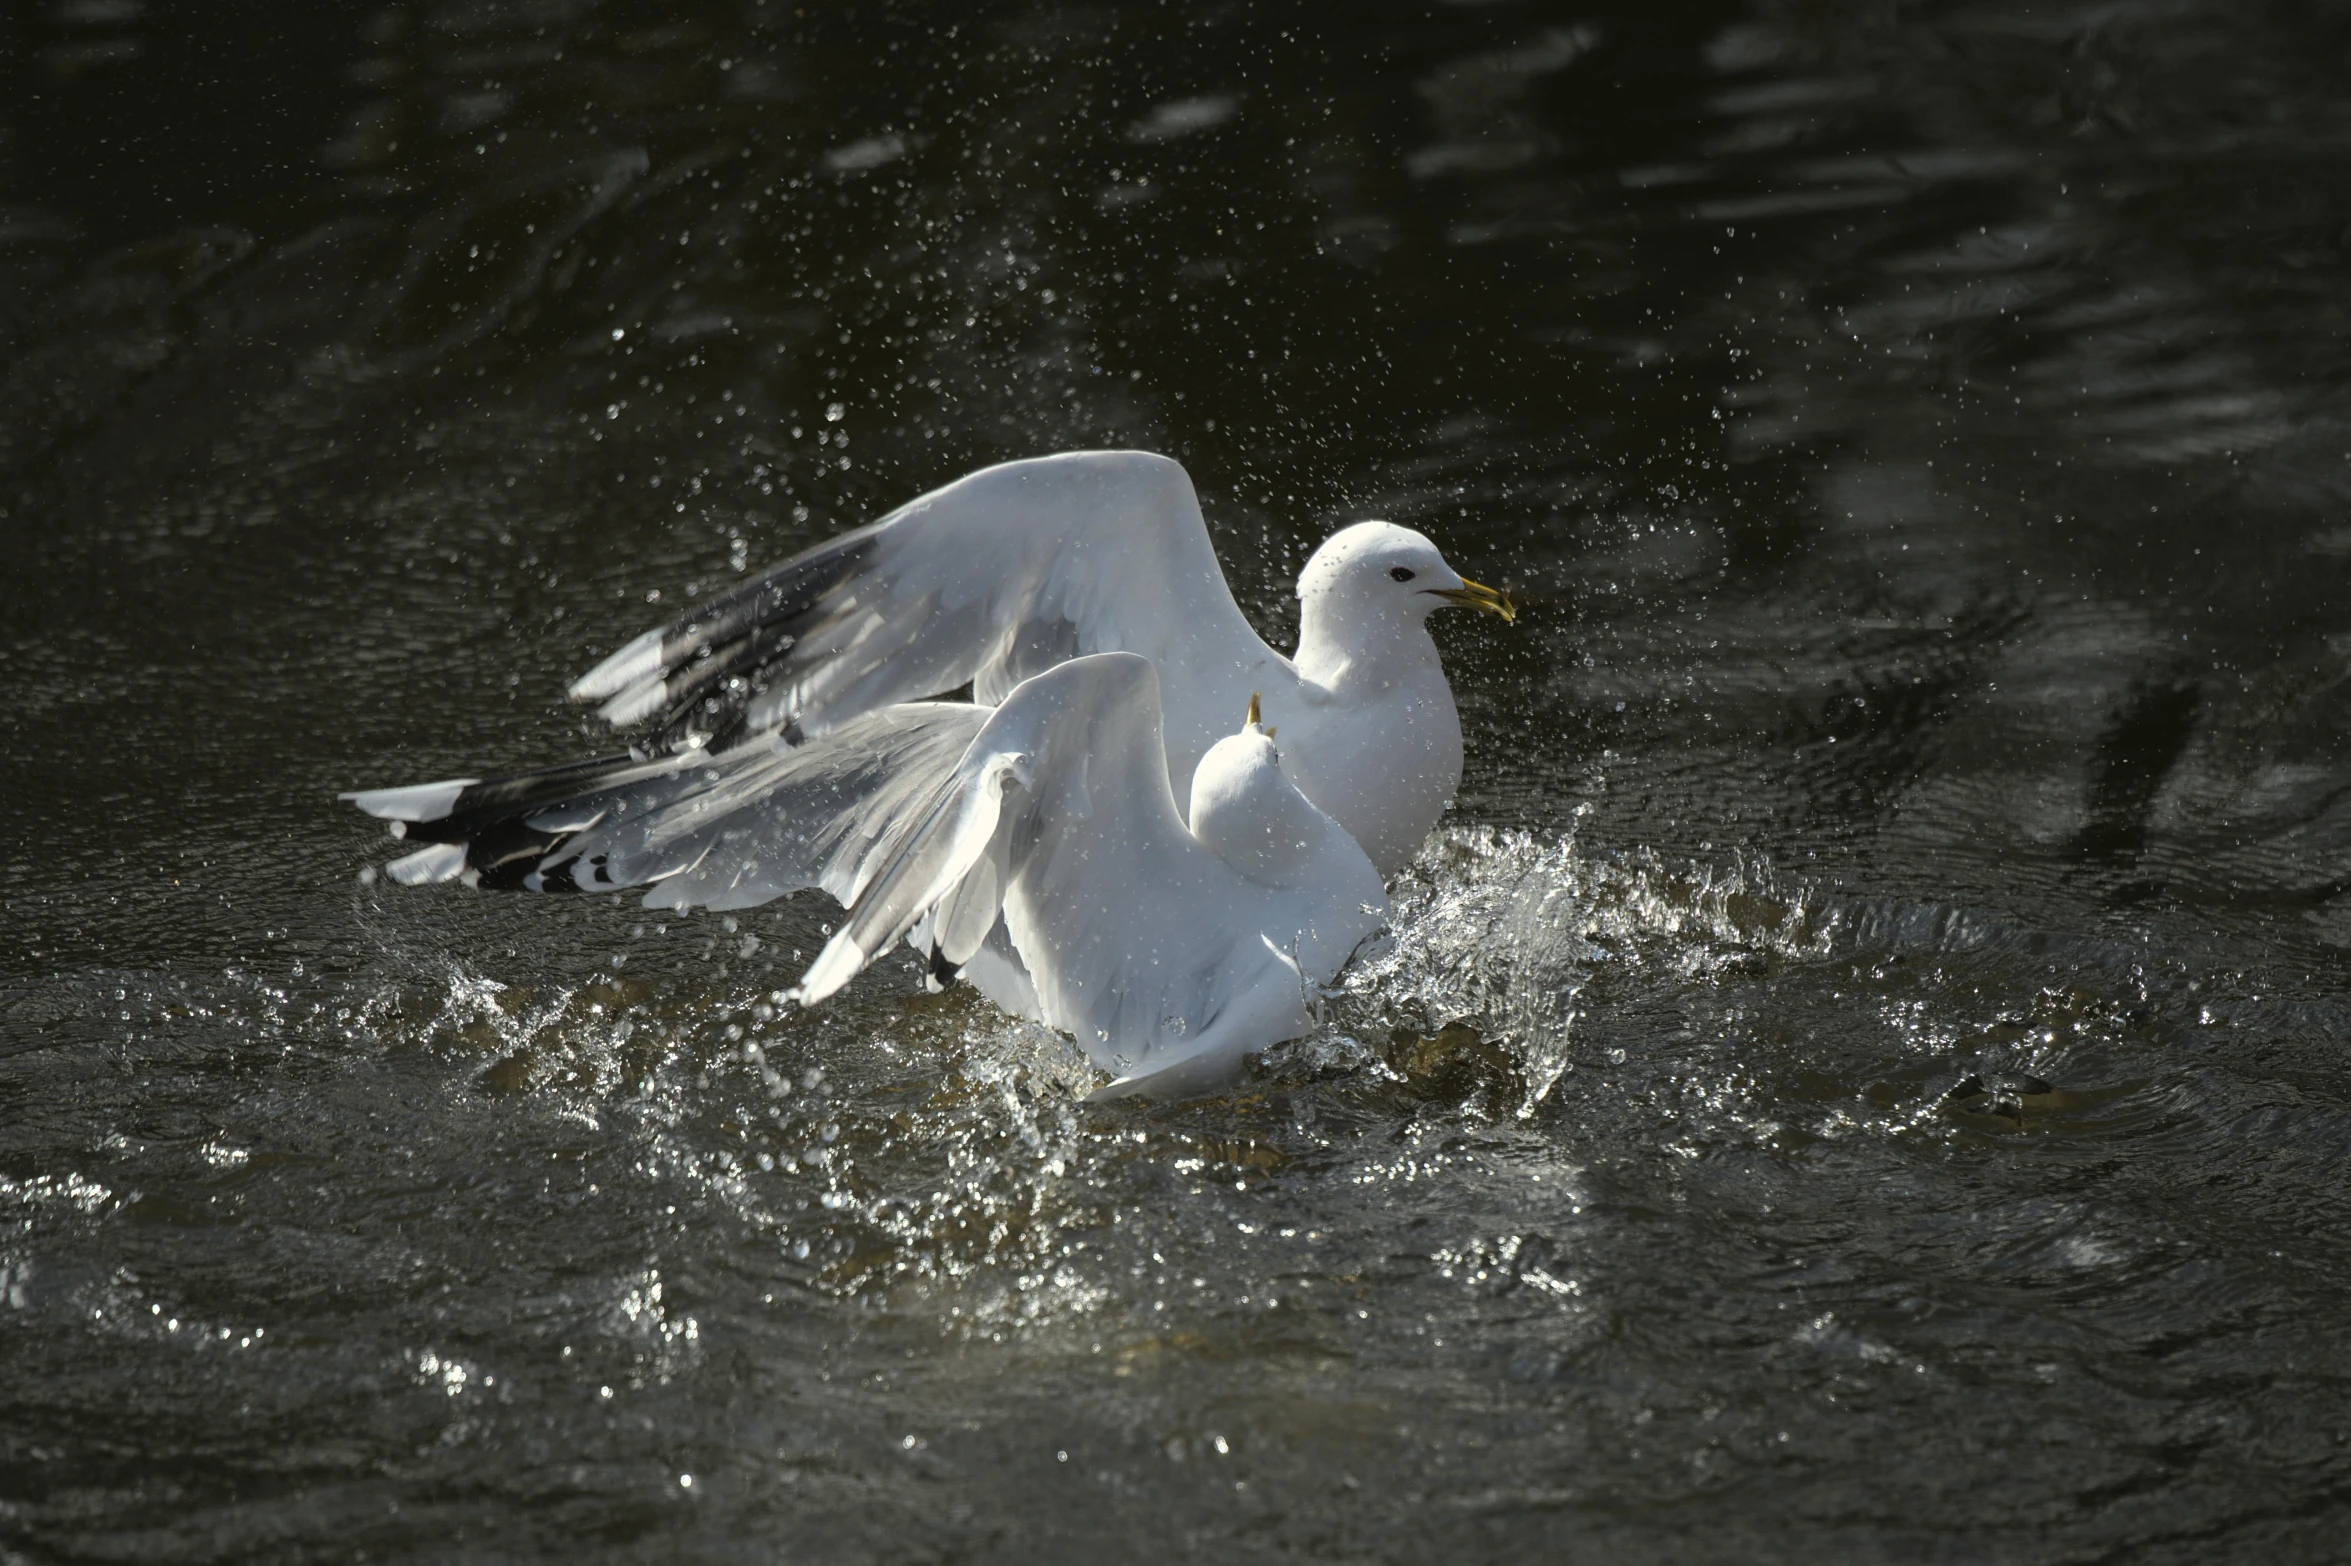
(1034, 848)
(1012, 569)
(1170, 952)
(788, 753)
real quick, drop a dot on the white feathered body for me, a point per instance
(1166, 961)
(1218, 943)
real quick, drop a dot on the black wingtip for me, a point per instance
(483, 805)
(503, 852)
(722, 657)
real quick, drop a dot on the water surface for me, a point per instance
(1859, 1074)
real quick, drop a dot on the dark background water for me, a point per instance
(1918, 433)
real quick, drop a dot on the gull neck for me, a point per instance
(1347, 646)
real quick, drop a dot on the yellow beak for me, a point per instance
(1255, 720)
(1469, 595)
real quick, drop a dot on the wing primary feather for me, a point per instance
(441, 862)
(721, 637)
(504, 829)
(948, 841)
(485, 803)
(416, 802)
(783, 592)
(637, 702)
(984, 581)
(506, 853)
(732, 828)
(641, 657)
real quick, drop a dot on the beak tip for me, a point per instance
(1476, 595)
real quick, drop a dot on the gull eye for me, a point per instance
(1400, 573)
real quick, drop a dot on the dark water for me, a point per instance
(1921, 434)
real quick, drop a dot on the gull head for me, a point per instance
(1247, 760)
(1379, 570)
(1255, 723)
(1250, 814)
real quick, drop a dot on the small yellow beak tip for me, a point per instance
(1476, 595)
(1253, 718)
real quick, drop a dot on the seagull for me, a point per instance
(1033, 848)
(792, 738)
(1014, 568)
(1169, 950)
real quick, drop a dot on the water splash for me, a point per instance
(1506, 932)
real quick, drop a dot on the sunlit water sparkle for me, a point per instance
(1859, 1075)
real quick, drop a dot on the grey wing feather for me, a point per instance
(772, 819)
(940, 857)
(944, 874)
(986, 581)
(724, 831)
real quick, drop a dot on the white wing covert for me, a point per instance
(989, 580)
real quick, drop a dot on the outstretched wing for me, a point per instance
(1136, 938)
(727, 831)
(993, 578)
(1075, 743)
